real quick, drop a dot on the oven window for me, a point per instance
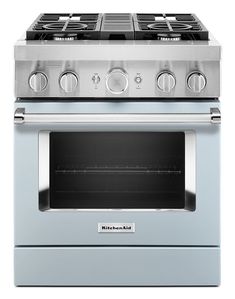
(117, 170)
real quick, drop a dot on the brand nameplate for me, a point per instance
(116, 227)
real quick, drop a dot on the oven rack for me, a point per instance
(119, 170)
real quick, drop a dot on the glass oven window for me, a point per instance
(117, 170)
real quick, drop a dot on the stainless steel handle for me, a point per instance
(213, 117)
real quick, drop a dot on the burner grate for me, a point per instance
(169, 27)
(48, 26)
(64, 26)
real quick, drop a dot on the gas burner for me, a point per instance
(72, 26)
(169, 36)
(63, 36)
(166, 26)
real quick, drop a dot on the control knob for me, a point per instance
(196, 82)
(166, 81)
(38, 81)
(117, 81)
(68, 82)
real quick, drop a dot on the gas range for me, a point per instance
(117, 138)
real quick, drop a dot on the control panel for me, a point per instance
(117, 79)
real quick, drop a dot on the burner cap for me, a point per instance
(72, 26)
(173, 25)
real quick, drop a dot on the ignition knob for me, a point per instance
(38, 81)
(117, 81)
(166, 81)
(68, 82)
(196, 82)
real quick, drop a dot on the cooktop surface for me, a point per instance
(119, 26)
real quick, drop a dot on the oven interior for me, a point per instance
(117, 170)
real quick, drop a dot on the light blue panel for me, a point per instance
(33, 227)
(117, 266)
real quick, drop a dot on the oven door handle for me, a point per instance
(21, 117)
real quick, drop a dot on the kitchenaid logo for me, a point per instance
(116, 227)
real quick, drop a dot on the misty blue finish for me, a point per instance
(140, 265)
(116, 106)
(110, 266)
(201, 227)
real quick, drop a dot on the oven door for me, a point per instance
(140, 176)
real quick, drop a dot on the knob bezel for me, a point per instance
(196, 73)
(163, 73)
(121, 72)
(35, 73)
(72, 73)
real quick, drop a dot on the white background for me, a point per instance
(16, 16)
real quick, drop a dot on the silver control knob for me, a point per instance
(38, 81)
(68, 82)
(117, 81)
(165, 81)
(196, 82)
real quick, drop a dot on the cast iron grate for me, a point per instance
(65, 27)
(169, 27)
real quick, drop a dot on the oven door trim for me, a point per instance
(44, 176)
